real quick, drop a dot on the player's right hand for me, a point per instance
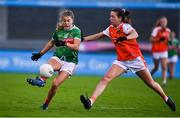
(119, 40)
(59, 43)
(36, 56)
(161, 39)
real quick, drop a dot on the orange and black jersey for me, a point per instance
(162, 36)
(127, 49)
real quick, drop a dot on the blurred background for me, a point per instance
(25, 26)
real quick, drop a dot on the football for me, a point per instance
(46, 70)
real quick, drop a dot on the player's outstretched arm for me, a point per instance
(94, 36)
(154, 39)
(47, 47)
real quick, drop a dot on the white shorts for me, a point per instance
(160, 55)
(134, 65)
(173, 59)
(66, 66)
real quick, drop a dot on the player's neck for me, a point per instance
(118, 25)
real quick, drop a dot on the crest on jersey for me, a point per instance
(68, 35)
(118, 31)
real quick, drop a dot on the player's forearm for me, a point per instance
(154, 39)
(47, 47)
(94, 36)
(133, 35)
(73, 46)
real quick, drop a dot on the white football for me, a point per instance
(46, 70)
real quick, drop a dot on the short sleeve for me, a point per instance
(106, 32)
(127, 28)
(77, 34)
(54, 36)
(154, 32)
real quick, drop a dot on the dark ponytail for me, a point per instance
(127, 18)
(124, 14)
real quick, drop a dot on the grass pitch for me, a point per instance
(124, 97)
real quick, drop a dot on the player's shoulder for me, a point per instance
(167, 29)
(126, 25)
(157, 28)
(58, 30)
(110, 26)
(75, 28)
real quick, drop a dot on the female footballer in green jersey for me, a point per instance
(173, 48)
(67, 41)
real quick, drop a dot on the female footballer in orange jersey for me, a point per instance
(159, 38)
(129, 56)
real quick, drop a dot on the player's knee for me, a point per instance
(152, 84)
(164, 68)
(55, 83)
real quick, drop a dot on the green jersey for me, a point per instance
(173, 43)
(63, 52)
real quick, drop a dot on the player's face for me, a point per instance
(67, 22)
(114, 19)
(163, 22)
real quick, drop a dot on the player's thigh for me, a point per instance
(55, 64)
(68, 67)
(114, 71)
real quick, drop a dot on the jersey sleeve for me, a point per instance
(54, 36)
(106, 32)
(77, 34)
(154, 32)
(127, 28)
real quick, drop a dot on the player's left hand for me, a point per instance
(120, 39)
(161, 39)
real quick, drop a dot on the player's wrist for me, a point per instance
(66, 44)
(63, 43)
(40, 53)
